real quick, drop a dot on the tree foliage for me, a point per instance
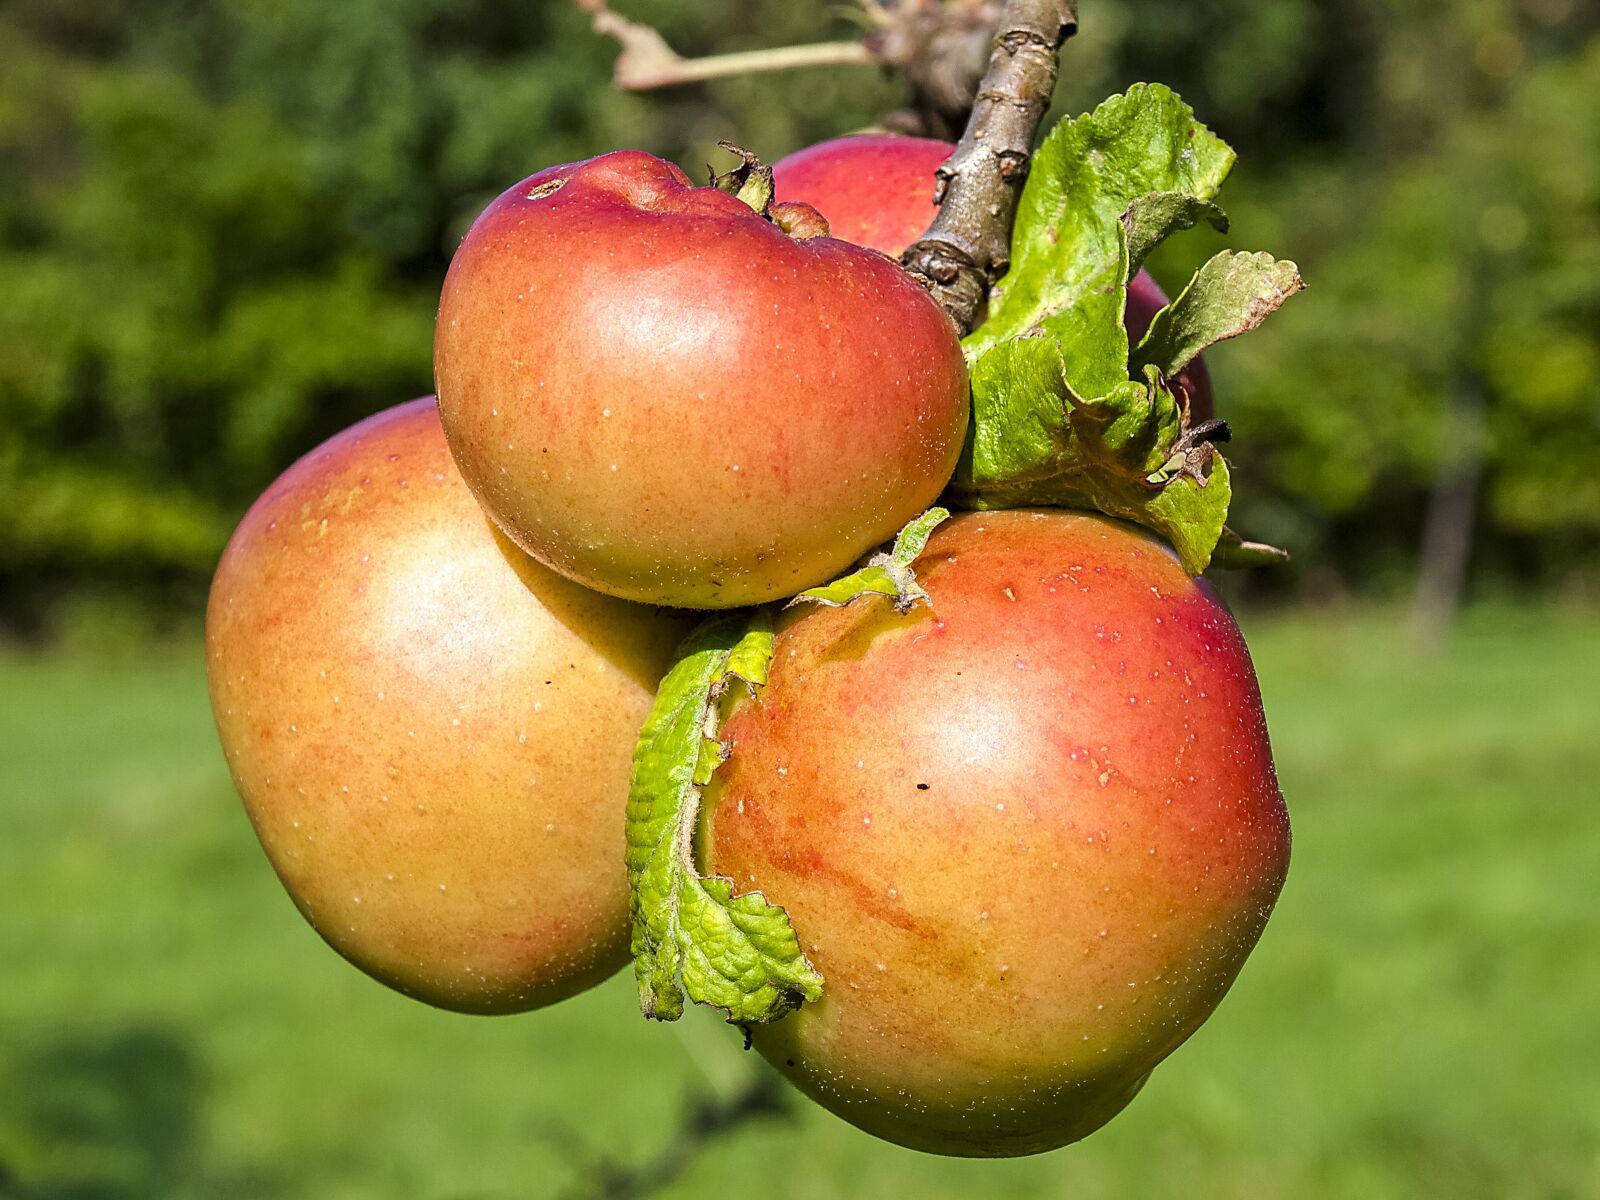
(224, 225)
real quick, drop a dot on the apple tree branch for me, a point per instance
(968, 246)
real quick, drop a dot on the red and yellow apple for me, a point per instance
(431, 732)
(1028, 834)
(666, 396)
(877, 190)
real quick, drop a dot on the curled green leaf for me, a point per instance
(888, 573)
(750, 181)
(913, 539)
(691, 935)
(1152, 219)
(1230, 294)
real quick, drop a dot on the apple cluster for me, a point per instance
(1026, 829)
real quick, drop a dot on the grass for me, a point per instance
(1419, 1020)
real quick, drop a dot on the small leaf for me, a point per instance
(712, 755)
(887, 573)
(868, 581)
(752, 653)
(1231, 294)
(691, 934)
(751, 181)
(913, 539)
(1151, 219)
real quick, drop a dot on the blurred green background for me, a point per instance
(223, 225)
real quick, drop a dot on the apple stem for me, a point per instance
(968, 246)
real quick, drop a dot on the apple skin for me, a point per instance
(877, 190)
(1028, 835)
(666, 397)
(431, 732)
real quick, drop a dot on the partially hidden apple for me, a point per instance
(873, 189)
(669, 396)
(431, 732)
(877, 190)
(1028, 835)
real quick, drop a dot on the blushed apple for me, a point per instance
(667, 396)
(1028, 835)
(431, 732)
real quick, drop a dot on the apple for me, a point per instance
(1028, 835)
(877, 190)
(667, 396)
(431, 732)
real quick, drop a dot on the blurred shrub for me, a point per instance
(224, 224)
(1453, 244)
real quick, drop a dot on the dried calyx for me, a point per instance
(751, 182)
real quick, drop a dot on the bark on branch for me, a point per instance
(968, 246)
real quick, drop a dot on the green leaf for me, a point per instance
(1231, 294)
(752, 653)
(1059, 415)
(1018, 398)
(913, 539)
(1069, 248)
(1125, 454)
(751, 181)
(868, 581)
(1151, 219)
(887, 573)
(691, 935)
